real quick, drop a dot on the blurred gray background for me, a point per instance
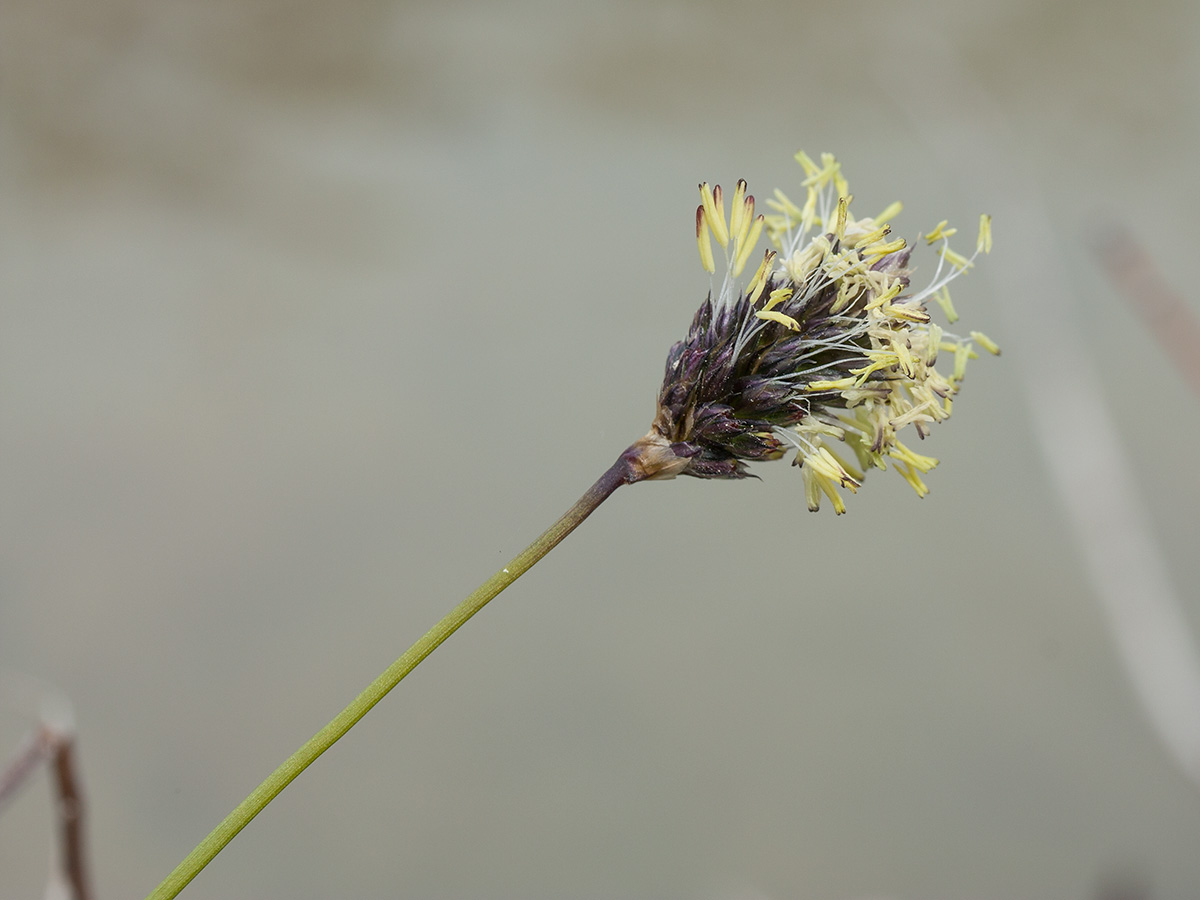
(314, 314)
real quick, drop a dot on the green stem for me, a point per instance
(626, 470)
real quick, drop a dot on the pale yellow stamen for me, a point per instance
(736, 209)
(777, 296)
(984, 242)
(714, 212)
(749, 243)
(935, 340)
(836, 385)
(940, 232)
(943, 300)
(773, 316)
(704, 242)
(806, 163)
(907, 313)
(741, 248)
(909, 475)
(961, 354)
(985, 342)
(881, 250)
(887, 296)
(839, 228)
(956, 259)
(759, 281)
(890, 212)
(871, 237)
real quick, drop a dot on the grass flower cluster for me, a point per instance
(826, 344)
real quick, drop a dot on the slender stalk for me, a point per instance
(627, 469)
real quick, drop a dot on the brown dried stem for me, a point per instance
(59, 748)
(72, 838)
(1167, 316)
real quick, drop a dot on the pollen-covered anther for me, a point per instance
(714, 212)
(985, 342)
(779, 295)
(940, 232)
(752, 228)
(942, 296)
(771, 315)
(956, 259)
(823, 474)
(880, 249)
(759, 281)
(704, 241)
(984, 241)
(858, 236)
(736, 208)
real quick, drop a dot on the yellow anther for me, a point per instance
(759, 281)
(813, 425)
(748, 245)
(904, 357)
(839, 182)
(742, 246)
(984, 242)
(848, 290)
(704, 242)
(941, 232)
(907, 313)
(773, 316)
(838, 385)
(872, 237)
(943, 300)
(878, 365)
(985, 342)
(837, 471)
(887, 296)
(890, 212)
(916, 460)
(810, 167)
(777, 296)
(909, 475)
(714, 211)
(747, 219)
(920, 411)
(956, 259)
(961, 354)
(855, 475)
(812, 493)
(935, 340)
(881, 250)
(843, 208)
(736, 210)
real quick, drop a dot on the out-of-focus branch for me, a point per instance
(1094, 481)
(56, 745)
(23, 764)
(71, 835)
(1158, 305)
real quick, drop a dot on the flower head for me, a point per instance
(825, 349)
